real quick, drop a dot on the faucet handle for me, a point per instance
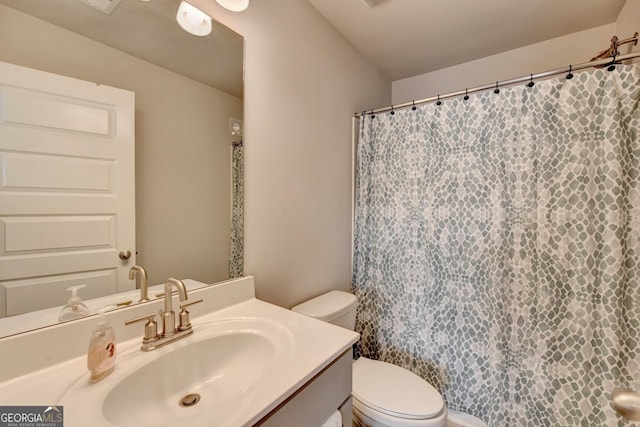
(183, 317)
(188, 303)
(150, 328)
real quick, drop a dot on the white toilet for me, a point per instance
(384, 395)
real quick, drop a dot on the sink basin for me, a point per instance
(201, 377)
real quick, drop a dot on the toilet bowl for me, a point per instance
(384, 395)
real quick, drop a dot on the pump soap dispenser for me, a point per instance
(75, 308)
(101, 356)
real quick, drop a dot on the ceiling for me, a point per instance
(403, 38)
(148, 30)
(406, 38)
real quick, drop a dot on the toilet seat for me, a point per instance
(385, 391)
(367, 417)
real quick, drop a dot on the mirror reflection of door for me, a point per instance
(67, 200)
(186, 90)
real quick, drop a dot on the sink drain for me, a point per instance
(190, 400)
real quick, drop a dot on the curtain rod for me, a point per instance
(496, 85)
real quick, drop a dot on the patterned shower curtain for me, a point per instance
(497, 247)
(236, 249)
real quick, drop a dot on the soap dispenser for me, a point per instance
(75, 308)
(101, 356)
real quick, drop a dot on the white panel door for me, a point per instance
(67, 190)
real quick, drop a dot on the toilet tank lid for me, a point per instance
(328, 306)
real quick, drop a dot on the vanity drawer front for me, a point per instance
(312, 404)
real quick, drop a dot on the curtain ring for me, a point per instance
(570, 75)
(392, 111)
(496, 90)
(466, 95)
(414, 108)
(373, 116)
(439, 102)
(531, 82)
(612, 66)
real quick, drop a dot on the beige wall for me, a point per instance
(628, 22)
(303, 83)
(551, 54)
(548, 55)
(182, 145)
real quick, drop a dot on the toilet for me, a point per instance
(384, 395)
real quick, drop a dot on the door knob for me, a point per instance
(626, 402)
(124, 255)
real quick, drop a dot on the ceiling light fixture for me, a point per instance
(234, 5)
(372, 3)
(104, 6)
(193, 20)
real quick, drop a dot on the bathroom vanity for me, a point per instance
(247, 363)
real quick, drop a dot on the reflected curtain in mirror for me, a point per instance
(236, 248)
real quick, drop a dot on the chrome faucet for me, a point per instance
(170, 331)
(140, 274)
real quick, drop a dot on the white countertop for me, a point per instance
(315, 345)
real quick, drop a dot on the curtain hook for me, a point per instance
(392, 111)
(373, 116)
(439, 102)
(531, 82)
(414, 108)
(466, 94)
(496, 90)
(612, 66)
(570, 75)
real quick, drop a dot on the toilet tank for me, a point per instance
(336, 307)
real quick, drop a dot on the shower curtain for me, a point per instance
(236, 248)
(497, 247)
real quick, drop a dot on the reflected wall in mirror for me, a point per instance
(187, 88)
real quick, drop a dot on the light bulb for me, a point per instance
(193, 20)
(234, 5)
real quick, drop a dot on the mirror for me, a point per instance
(188, 97)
